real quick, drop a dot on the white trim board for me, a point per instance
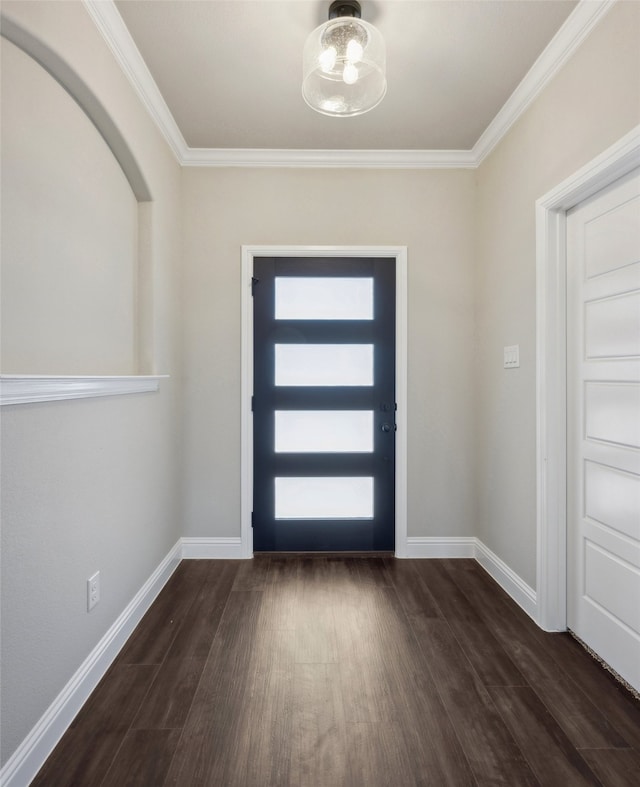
(399, 254)
(111, 26)
(213, 549)
(513, 585)
(30, 756)
(28, 389)
(551, 397)
(330, 159)
(440, 547)
(581, 21)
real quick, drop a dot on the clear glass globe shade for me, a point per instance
(343, 67)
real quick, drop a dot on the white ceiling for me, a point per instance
(230, 70)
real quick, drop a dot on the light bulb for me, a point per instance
(327, 59)
(350, 74)
(354, 51)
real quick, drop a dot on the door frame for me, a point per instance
(399, 255)
(551, 369)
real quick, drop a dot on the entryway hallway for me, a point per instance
(321, 671)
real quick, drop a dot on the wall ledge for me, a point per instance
(27, 389)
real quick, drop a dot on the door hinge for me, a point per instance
(252, 403)
(254, 281)
(252, 520)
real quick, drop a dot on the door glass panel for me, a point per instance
(326, 298)
(322, 431)
(324, 498)
(324, 364)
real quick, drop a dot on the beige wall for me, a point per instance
(69, 216)
(93, 484)
(590, 104)
(431, 212)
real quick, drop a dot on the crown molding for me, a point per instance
(357, 159)
(577, 26)
(111, 26)
(582, 20)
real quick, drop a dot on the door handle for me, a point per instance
(388, 427)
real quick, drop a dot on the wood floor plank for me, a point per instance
(169, 698)
(252, 574)
(550, 753)
(214, 743)
(580, 718)
(493, 754)
(452, 602)
(156, 631)
(431, 740)
(408, 694)
(81, 759)
(143, 759)
(269, 720)
(366, 691)
(263, 722)
(283, 570)
(315, 623)
(199, 624)
(86, 751)
(488, 657)
(282, 586)
(415, 596)
(617, 704)
(117, 698)
(318, 738)
(358, 638)
(614, 767)
(372, 571)
(378, 756)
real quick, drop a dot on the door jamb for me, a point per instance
(397, 253)
(551, 395)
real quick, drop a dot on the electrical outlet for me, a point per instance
(93, 591)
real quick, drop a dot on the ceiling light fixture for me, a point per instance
(343, 64)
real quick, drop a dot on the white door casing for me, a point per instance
(603, 424)
(551, 209)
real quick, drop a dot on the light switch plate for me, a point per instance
(512, 356)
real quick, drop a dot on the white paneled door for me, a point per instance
(603, 424)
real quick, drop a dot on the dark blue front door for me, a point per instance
(324, 404)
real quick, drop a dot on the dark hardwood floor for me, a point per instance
(336, 671)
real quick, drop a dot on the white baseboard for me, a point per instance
(524, 595)
(436, 546)
(213, 548)
(32, 753)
